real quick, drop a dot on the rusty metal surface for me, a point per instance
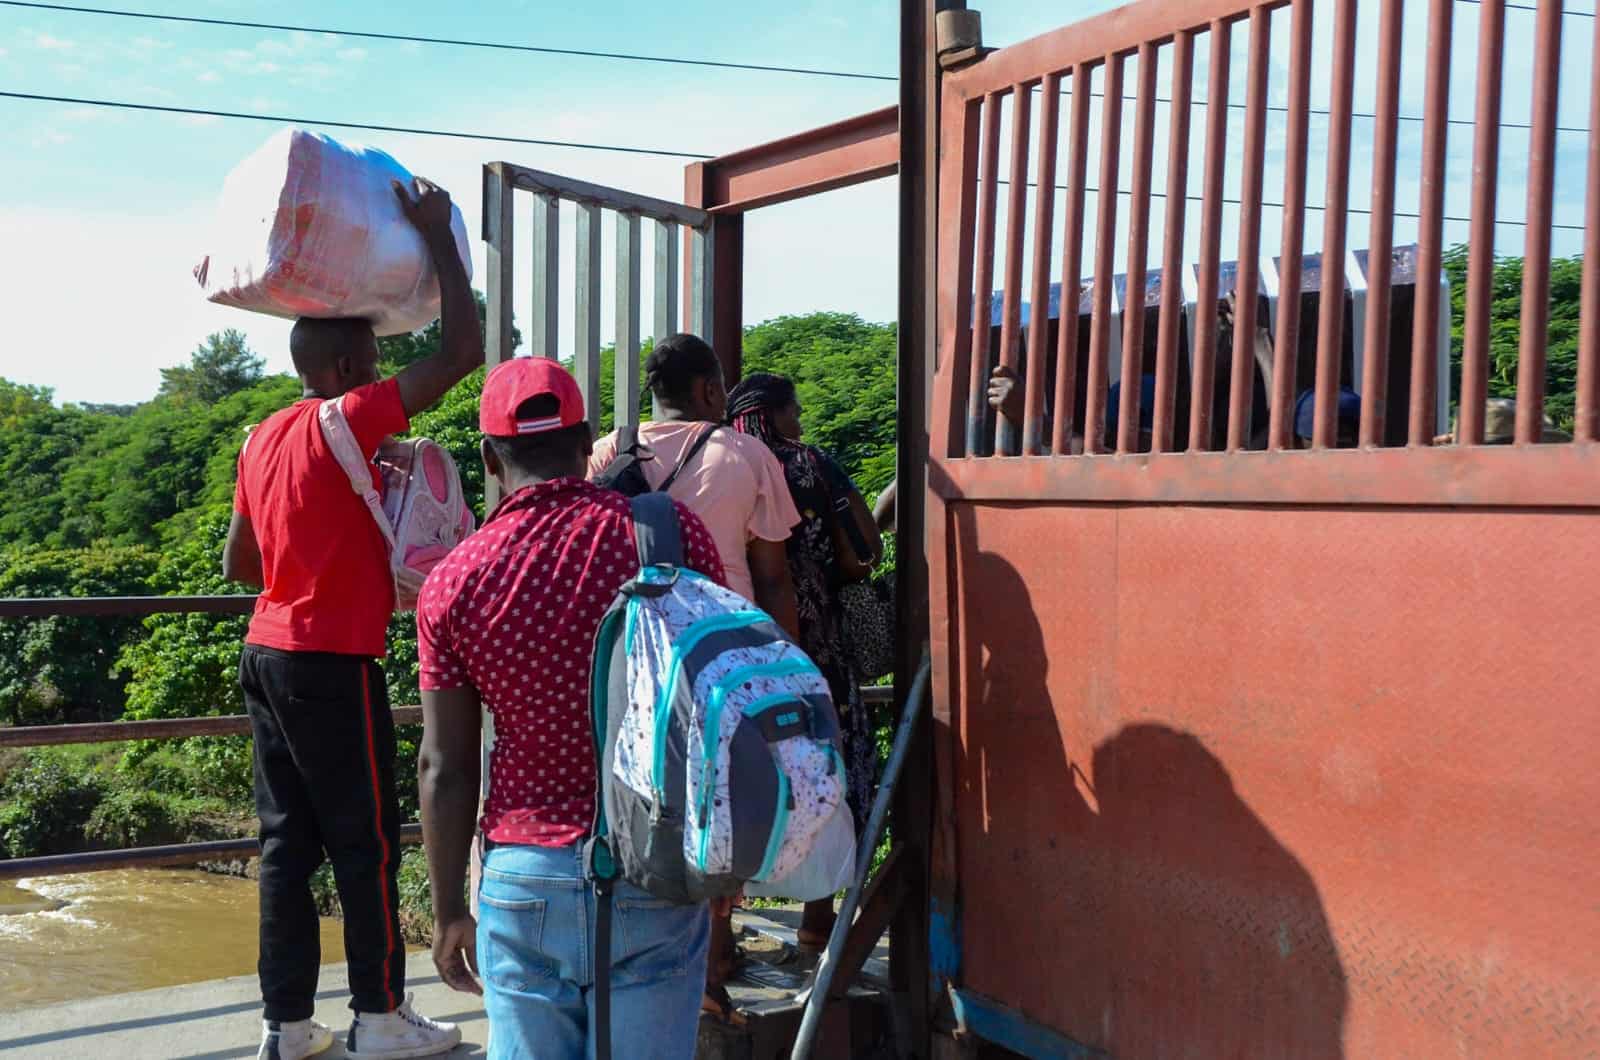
(1203, 389)
(1105, 238)
(1039, 284)
(1286, 351)
(1016, 228)
(1243, 372)
(839, 155)
(1072, 252)
(124, 606)
(1169, 326)
(1430, 228)
(161, 729)
(1480, 256)
(1380, 239)
(1536, 258)
(1138, 251)
(1310, 811)
(182, 854)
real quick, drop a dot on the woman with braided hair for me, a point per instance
(836, 543)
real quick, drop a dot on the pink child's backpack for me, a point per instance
(421, 511)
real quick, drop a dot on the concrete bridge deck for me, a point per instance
(217, 1020)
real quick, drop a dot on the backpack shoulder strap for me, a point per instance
(656, 530)
(347, 451)
(694, 451)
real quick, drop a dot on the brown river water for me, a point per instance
(64, 938)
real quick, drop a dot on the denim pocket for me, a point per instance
(511, 933)
(656, 938)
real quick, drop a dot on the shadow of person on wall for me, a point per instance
(1218, 933)
(1129, 900)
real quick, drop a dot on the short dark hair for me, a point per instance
(545, 452)
(676, 364)
(315, 345)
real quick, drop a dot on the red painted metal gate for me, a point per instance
(1249, 747)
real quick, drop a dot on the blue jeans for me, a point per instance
(535, 950)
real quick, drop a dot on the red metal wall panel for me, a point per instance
(1278, 782)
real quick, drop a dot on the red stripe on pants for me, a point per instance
(383, 842)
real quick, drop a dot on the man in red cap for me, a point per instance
(508, 622)
(323, 735)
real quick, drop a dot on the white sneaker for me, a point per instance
(293, 1041)
(399, 1034)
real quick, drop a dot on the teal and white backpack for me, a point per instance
(718, 741)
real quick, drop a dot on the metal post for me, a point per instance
(546, 275)
(586, 348)
(625, 396)
(866, 845)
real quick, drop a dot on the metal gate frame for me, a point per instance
(1418, 477)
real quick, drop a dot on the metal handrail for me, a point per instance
(161, 729)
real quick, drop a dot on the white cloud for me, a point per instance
(197, 120)
(353, 55)
(209, 77)
(51, 138)
(48, 43)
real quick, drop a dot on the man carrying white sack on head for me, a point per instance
(315, 693)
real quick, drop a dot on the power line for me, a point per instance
(122, 105)
(449, 41)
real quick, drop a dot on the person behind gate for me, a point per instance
(319, 713)
(508, 622)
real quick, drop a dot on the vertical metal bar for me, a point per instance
(1039, 292)
(1330, 325)
(1102, 319)
(1072, 266)
(1541, 189)
(1016, 228)
(1138, 252)
(1203, 342)
(1249, 269)
(1380, 241)
(498, 195)
(586, 341)
(700, 281)
(1162, 416)
(666, 280)
(1480, 252)
(625, 392)
(666, 284)
(1587, 427)
(1430, 317)
(959, 133)
(546, 275)
(1286, 353)
(983, 283)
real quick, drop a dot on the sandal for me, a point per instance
(716, 1003)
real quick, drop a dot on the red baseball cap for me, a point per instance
(515, 381)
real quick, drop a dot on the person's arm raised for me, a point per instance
(461, 343)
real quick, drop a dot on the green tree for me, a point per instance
(844, 373)
(19, 401)
(398, 351)
(1505, 330)
(222, 365)
(63, 669)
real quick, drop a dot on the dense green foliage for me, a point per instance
(128, 500)
(1505, 330)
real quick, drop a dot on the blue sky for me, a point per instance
(107, 211)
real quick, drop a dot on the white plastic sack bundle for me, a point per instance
(310, 227)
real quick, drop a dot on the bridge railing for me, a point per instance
(161, 729)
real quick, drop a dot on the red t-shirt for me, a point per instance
(513, 613)
(323, 559)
